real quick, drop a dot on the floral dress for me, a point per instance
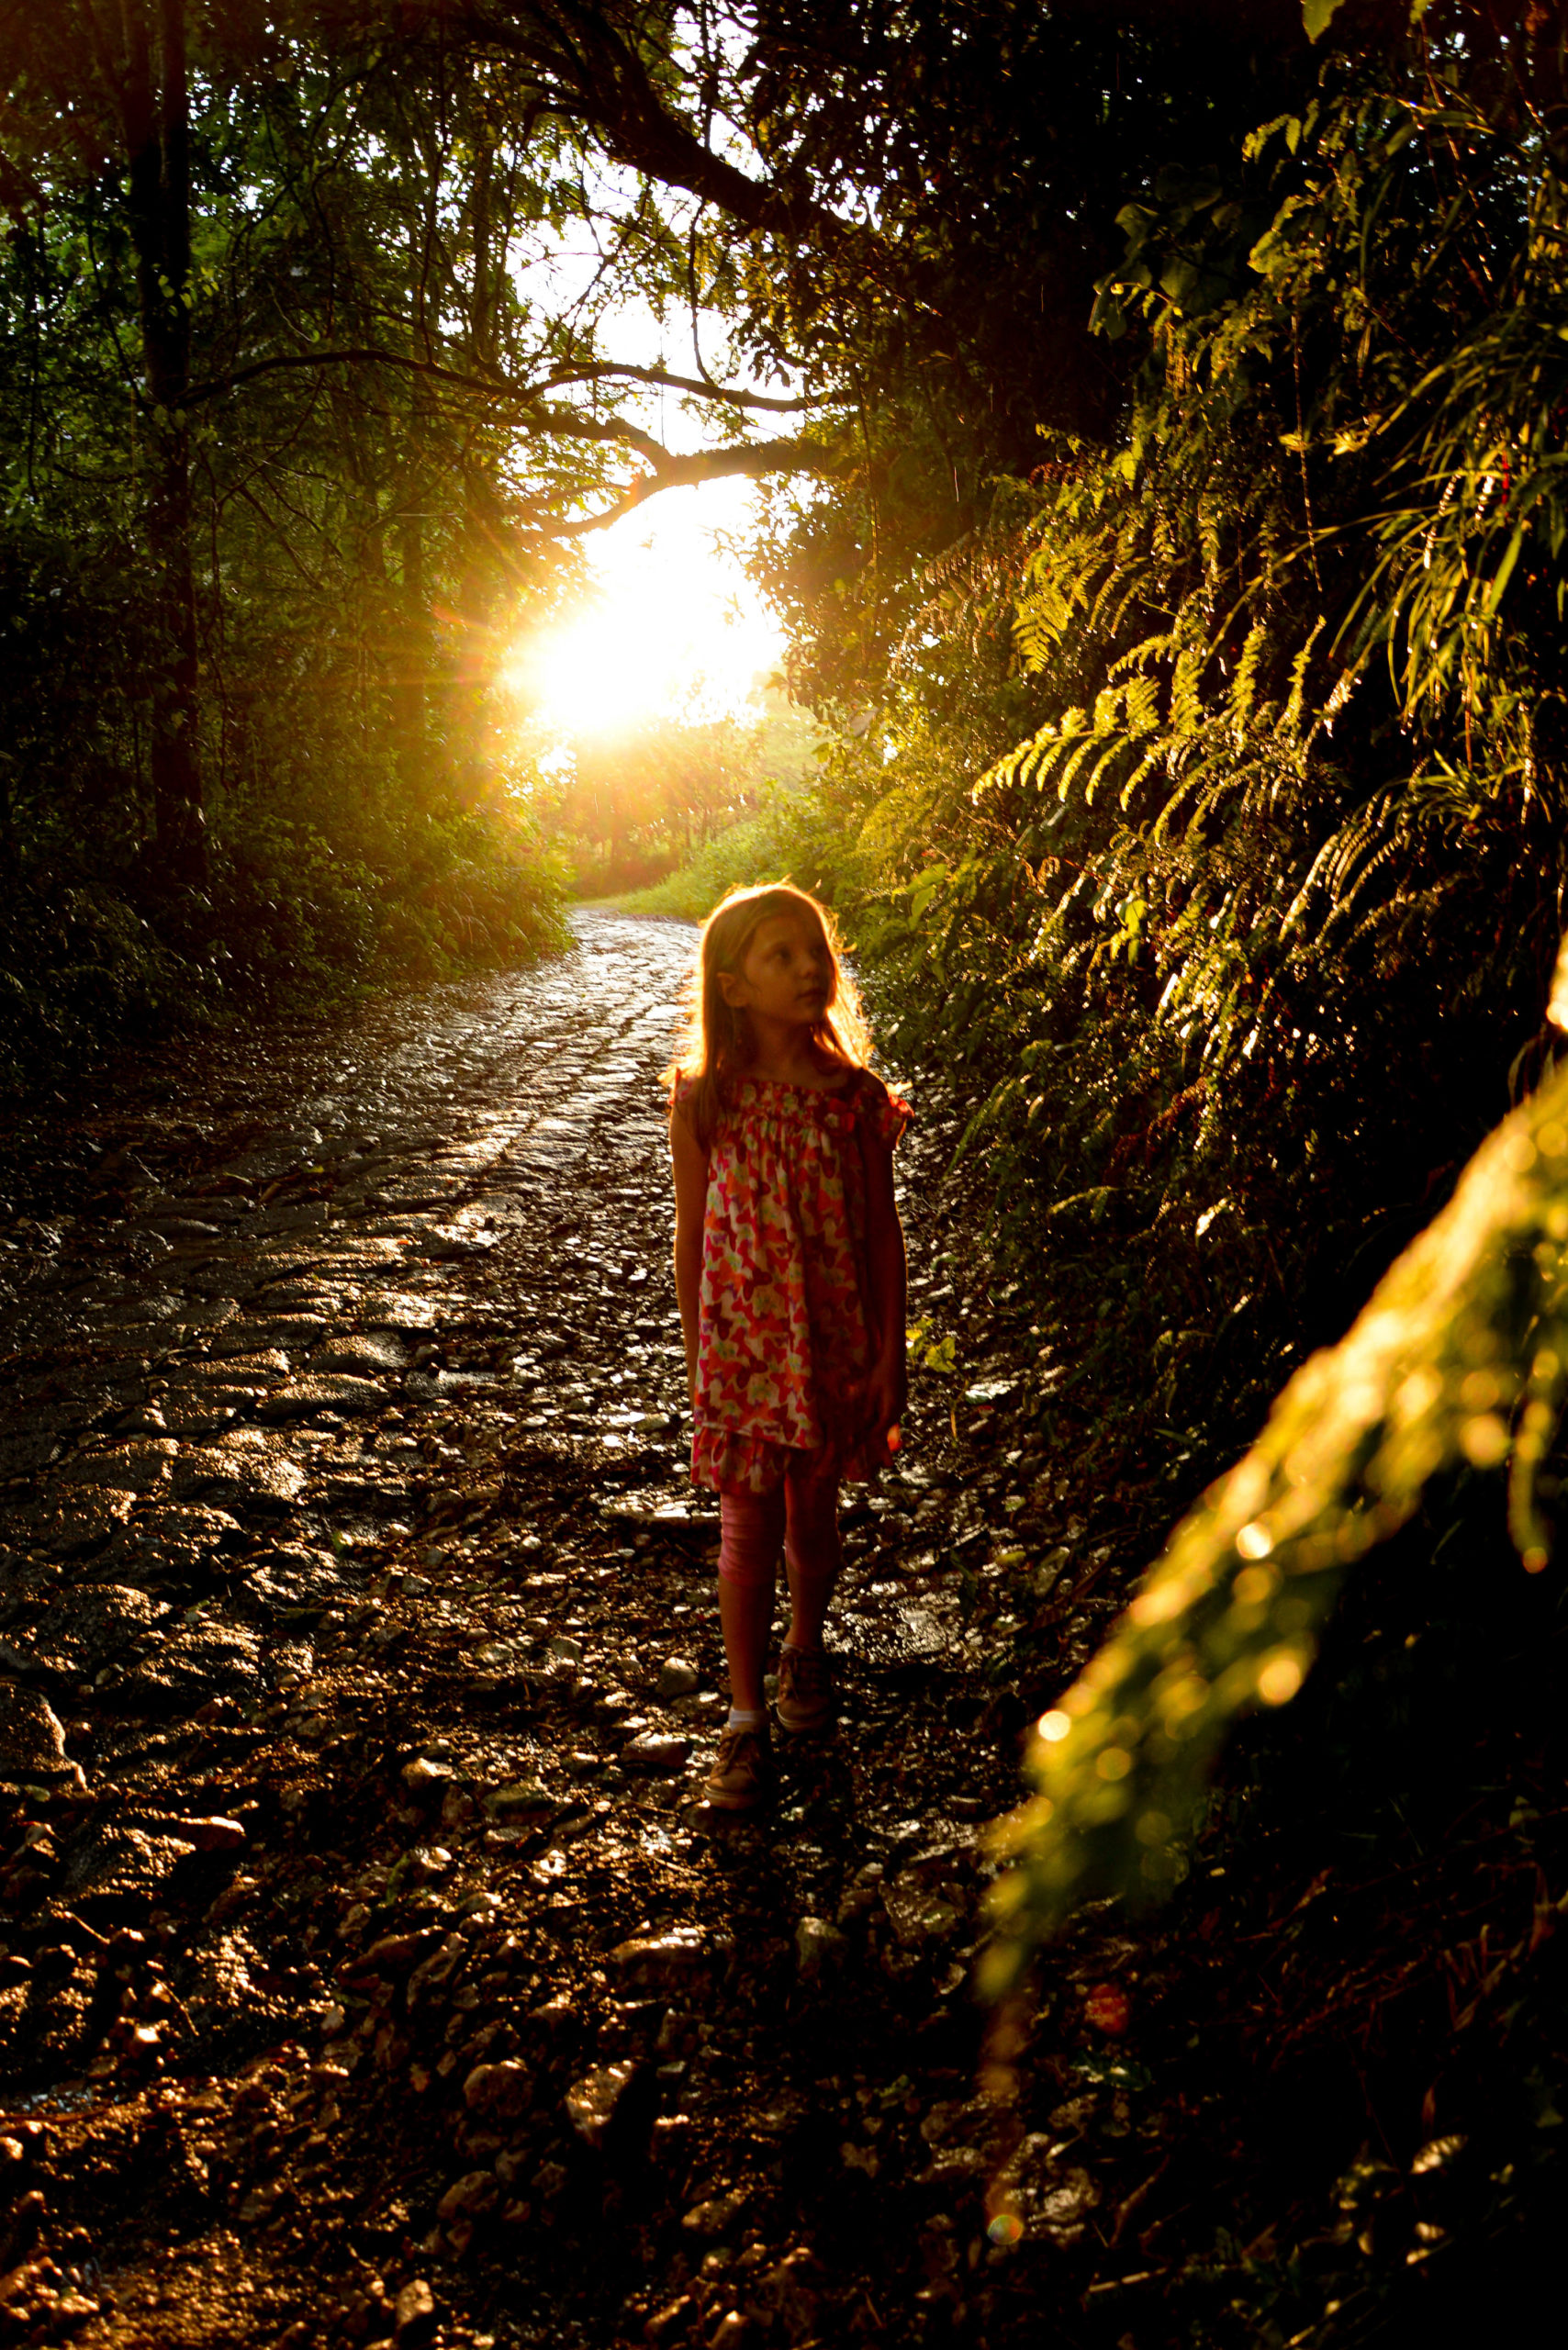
(783, 1327)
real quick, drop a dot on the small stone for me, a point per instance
(393, 1954)
(650, 1752)
(711, 2218)
(678, 1677)
(952, 2167)
(213, 1835)
(393, 1310)
(498, 2092)
(817, 1944)
(479, 1907)
(470, 2197)
(84, 1522)
(325, 1392)
(242, 1358)
(667, 2320)
(591, 2102)
(1073, 2194)
(172, 1539)
(523, 1798)
(107, 1860)
(86, 1626)
(671, 1961)
(363, 1354)
(423, 1777)
(414, 2314)
(242, 1475)
(32, 1741)
(919, 1917)
(128, 1467)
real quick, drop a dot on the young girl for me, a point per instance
(790, 1269)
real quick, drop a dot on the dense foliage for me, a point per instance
(1215, 775)
(638, 801)
(304, 396)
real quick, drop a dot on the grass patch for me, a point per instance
(793, 836)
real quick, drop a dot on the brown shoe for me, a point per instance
(742, 1777)
(804, 1702)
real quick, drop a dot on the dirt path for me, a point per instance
(370, 1964)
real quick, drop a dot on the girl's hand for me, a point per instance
(885, 1394)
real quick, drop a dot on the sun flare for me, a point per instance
(674, 629)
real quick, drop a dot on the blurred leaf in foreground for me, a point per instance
(1461, 1355)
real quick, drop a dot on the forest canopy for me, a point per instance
(303, 415)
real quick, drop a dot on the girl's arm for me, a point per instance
(689, 1162)
(887, 1272)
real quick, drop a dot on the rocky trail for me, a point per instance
(370, 1968)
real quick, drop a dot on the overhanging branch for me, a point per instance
(602, 78)
(756, 459)
(503, 388)
(667, 469)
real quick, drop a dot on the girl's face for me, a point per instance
(787, 974)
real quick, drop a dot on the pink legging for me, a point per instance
(800, 1516)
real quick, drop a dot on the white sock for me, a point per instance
(746, 1720)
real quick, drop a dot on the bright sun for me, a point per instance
(676, 627)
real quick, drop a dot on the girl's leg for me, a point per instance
(811, 1555)
(750, 1531)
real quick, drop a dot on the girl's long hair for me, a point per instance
(716, 1045)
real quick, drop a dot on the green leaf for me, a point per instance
(1317, 15)
(924, 889)
(1505, 571)
(1461, 1355)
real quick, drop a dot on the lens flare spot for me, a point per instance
(1279, 1679)
(1484, 1440)
(1053, 1727)
(1005, 2227)
(1255, 1541)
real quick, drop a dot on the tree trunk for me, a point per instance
(156, 113)
(410, 649)
(471, 748)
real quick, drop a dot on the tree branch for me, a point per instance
(755, 458)
(525, 395)
(606, 82)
